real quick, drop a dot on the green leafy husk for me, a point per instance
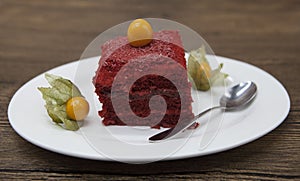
(56, 97)
(197, 75)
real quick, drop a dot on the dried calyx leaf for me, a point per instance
(56, 98)
(200, 73)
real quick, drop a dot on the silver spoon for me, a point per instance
(237, 97)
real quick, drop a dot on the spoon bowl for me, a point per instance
(239, 95)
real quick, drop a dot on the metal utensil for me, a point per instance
(235, 98)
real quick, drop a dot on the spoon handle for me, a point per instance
(167, 134)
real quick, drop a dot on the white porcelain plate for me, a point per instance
(29, 119)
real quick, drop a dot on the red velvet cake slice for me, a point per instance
(118, 53)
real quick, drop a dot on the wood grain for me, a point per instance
(36, 36)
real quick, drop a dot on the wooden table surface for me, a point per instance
(36, 36)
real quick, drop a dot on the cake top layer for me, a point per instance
(118, 52)
(120, 49)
